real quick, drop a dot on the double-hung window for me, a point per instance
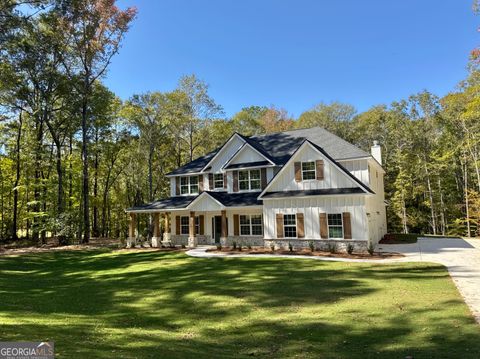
(251, 225)
(290, 225)
(308, 170)
(218, 180)
(185, 225)
(189, 185)
(335, 225)
(249, 180)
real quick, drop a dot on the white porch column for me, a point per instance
(132, 231)
(192, 238)
(167, 236)
(224, 232)
(156, 230)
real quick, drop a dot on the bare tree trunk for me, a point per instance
(70, 175)
(430, 197)
(95, 230)
(85, 177)
(404, 215)
(467, 205)
(17, 179)
(2, 208)
(36, 188)
(443, 224)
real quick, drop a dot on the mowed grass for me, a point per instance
(103, 304)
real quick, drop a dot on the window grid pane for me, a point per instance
(245, 230)
(308, 170)
(290, 232)
(255, 184)
(184, 225)
(256, 230)
(256, 219)
(335, 225)
(218, 180)
(289, 225)
(289, 219)
(255, 174)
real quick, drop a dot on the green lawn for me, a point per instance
(104, 304)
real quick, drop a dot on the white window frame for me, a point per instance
(335, 225)
(188, 186)
(215, 181)
(314, 170)
(249, 180)
(182, 225)
(250, 225)
(290, 225)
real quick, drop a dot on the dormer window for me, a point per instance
(218, 180)
(308, 171)
(249, 180)
(189, 185)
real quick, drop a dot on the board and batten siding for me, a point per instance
(246, 154)
(225, 154)
(333, 177)
(311, 207)
(358, 168)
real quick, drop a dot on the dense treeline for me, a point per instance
(73, 156)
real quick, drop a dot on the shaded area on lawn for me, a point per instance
(152, 304)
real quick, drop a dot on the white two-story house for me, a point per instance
(290, 187)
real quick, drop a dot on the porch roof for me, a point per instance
(183, 202)
(178, 202)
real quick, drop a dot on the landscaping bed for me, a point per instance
(306, 252)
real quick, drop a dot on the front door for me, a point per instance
(217, 228)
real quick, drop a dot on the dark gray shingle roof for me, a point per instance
(279, 147)
(180, 202)
(248, 164)
(282, 145)
(237, 199)
(313, 192)
(165, 204)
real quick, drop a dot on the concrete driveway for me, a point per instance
(460, 256)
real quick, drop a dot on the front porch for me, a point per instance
(192, 228)
(202, 220)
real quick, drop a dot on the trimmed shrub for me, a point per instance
(332, 247)
(290, 247)
(234, 245)
(312, 246)
(350, 248)
(272, 247)
(371, 248)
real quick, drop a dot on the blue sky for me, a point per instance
(294, 54)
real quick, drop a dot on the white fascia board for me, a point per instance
(221, 148)
(200, 196)
(241, 149)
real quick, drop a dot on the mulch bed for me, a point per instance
(308, 253)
